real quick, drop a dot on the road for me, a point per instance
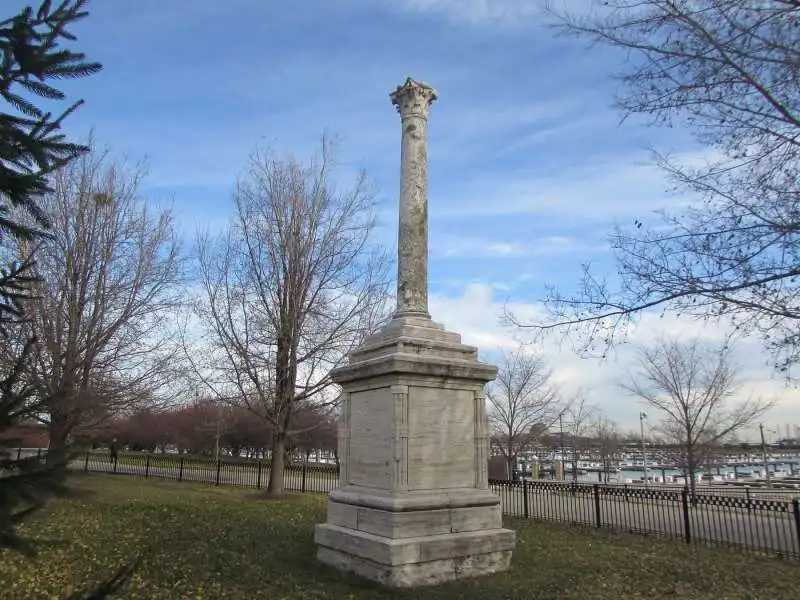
(771, 526)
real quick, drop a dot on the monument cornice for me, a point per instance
(420, 365)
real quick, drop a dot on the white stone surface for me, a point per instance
(413, 506)
(370, 456)
(413, 100)
(413, 523)
(441, 438)
(417, 574)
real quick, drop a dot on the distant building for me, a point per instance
(787, 443)
(28, 435)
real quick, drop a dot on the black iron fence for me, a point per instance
(763, 525)
(303, 477)
(756, 522)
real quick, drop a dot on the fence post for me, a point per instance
(525, 507)
(597, 515)
(747, 495)
(258, 481)
(147, 466)
(180, 472)
(303, 484)
(219, 464)
(86, 463)
(686, 523)
(796, 508)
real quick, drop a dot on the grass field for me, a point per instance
(222, 542)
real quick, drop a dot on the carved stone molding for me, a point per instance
(413, 99)
(481, 440)
(400, 438)
(344, 441)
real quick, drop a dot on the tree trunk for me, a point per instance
(690, 465)
(275, 485)
(575, 464)
(58, 432)
(285, 379)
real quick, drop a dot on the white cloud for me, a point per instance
(598, 190)
(570, 127)
(475, 11)
(450, 246)
(454, 246)
(555, 245)
(495, 12)
(476, 314)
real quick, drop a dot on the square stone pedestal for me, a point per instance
(413, 505)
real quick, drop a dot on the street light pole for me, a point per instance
(642, 417)
(216, 409)
(561, 453)
(764, 455)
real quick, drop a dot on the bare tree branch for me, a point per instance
(288, 291)
(577, 418)
(728, 71)
(109, 271)
(606, 438)
(691, 385)
(524, 402)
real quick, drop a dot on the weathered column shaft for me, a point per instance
(413, 100)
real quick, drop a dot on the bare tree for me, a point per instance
(606, 438)
(523, 400)
(109, 273)
(288, 291)
(692, 386)
(576, 419)
(727, 71)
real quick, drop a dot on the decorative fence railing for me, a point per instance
(761, 521)
(764, 525)
(302, 477)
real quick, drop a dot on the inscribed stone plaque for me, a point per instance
(441, 434)
(371, 441)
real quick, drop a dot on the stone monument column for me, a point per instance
(413, 101)
(413, 506)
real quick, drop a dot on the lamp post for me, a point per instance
(764, 456)
(642, 417)
(561, 452)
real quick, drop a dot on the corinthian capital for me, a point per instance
(413, 98)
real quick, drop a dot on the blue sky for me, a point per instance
(529, 164)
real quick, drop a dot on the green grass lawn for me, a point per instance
(221, 542)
